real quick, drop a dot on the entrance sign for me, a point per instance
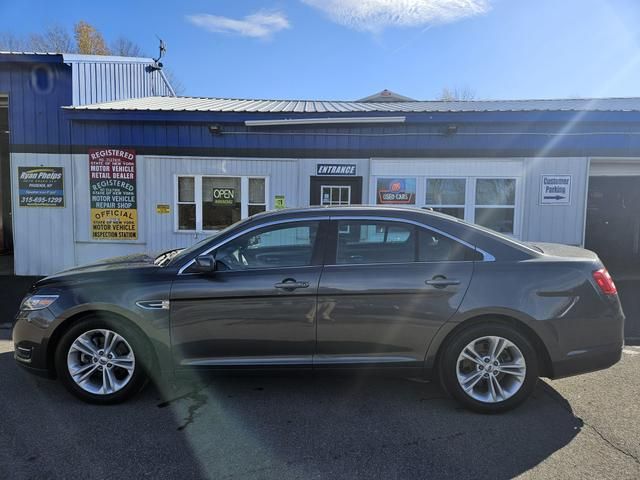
(40, 187)
(112, 186)
(396, 191)
(555, 190)
(336, 169)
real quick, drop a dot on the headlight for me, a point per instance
(37, 302)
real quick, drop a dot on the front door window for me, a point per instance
(288, 245)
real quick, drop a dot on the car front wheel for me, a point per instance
(101, 361)
(489, 367)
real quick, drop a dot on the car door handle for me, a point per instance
(441, 282)
(291, 284)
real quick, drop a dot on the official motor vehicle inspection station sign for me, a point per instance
(112, 185)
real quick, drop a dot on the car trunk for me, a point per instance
(560, 250)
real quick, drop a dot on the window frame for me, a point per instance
(338, 187)
(517, 202)
(447, 205)
(198, 178)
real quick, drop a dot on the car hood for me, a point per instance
(116, 265)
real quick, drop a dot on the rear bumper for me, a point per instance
(587, 361)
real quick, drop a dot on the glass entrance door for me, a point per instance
(335, 195)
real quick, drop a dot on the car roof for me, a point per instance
(352, 209)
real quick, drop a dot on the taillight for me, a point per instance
(605, 282)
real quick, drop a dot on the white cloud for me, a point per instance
(258, 25)
(376, 15)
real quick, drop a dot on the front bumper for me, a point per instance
(587, 361)
(31, 335)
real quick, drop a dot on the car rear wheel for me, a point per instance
(489, 367)
(101, 361)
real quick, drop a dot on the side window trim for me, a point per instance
(333, 237)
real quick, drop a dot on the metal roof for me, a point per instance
(195, 104)
(77, 58)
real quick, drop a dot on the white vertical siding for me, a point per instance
(97, 82)
(42, 237)
(536, 222)
(555, 223)
(160, 185)
(156, 184)
(51, 239)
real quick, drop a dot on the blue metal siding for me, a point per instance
(406, 140)
(34, 117)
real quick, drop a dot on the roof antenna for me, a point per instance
(157, 64)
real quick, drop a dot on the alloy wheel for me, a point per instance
(101, 362)
(491, 369)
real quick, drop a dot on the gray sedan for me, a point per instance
(357, 289)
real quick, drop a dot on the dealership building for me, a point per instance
(99, 158)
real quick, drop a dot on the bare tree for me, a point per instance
(456, 94)
(124, 47)
(175, 82)
(10, 43)
(89, 40)
(55, 39)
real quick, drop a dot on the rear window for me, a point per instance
(435, 247)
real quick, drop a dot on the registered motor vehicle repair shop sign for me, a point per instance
(112, 184)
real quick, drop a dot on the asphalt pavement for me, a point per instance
(306, 427)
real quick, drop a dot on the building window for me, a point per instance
(186, 203)
(210, 203)
(495, 204)
(447, 195)
(257, 196)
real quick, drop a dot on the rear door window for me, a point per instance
(367, 241)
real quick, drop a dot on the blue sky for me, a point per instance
(347, 49)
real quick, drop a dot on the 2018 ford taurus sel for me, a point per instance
(399, 290)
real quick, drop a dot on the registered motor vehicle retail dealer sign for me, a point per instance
(40, 187)
(555, 189)
(112, 184)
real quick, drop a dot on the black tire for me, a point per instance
(449, 359)
(139, 377)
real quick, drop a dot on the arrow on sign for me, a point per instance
(554, 197)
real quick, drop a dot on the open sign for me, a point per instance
(224, 196)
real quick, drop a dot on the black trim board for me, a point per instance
(325, 153)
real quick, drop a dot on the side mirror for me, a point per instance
(205, 264)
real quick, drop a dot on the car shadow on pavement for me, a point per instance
(297, 426)
(281, 427)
